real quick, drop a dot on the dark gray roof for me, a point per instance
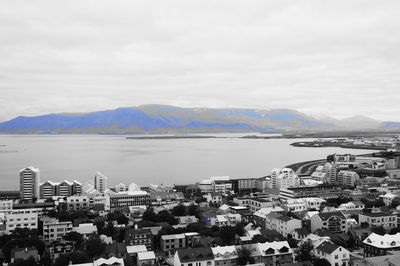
(328, 247)
(195, 254)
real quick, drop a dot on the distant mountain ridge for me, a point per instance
(171, 119)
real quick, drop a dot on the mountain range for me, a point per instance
(171, 119)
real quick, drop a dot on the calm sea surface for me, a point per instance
(145, 161)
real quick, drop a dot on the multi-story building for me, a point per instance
(6, 206)
(48, 189)
(294, 205)
(313, 203)
(100, 182)
(346, 178)
(54, 230)
(76, 188)
(377, 245)
(259, 203)
(225, 256)
(202, 256)
(177, 241)
(22, 219)
(282, 224)
(229, 219)
(135, 237)
(64, 189)
(130, 198)
(247, 185)
(79, 203)
(334, 254)
(387, 220)
(388, 198)
(284, 178)
(324, 191)
(206, 186)
(29, 183)
(273, 253)
(260, 216)
(336, 222)
(222, 184)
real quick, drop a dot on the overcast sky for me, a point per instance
(338, 58)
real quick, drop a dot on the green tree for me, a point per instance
(28, 262)
(245, 255)
(94, 246)
(379, 230)
(76, 257)
(321, 262)
(305, 252)
(179, 210)
(75, 237)
(227, 235)
(149, 215)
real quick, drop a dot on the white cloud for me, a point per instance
(328, 58)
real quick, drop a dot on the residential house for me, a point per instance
(273, 253)
(214, 198)
(334, 254)
(202, 256)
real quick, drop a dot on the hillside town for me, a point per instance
(346, 212)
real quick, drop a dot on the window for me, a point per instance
(336, 257)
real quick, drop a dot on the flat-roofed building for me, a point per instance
(323, 191)
(130, 198)
(29, 183)
(21, 219)
(54, 230)
(385, 219)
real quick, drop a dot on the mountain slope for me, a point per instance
(168, 119)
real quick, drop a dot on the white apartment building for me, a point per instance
(29, 179)
(284, 178)
(54, 230)
(27, 218)
(79, 203)
(6, 206)
(206, 186)
(387, 220)
(282, 224)
(294, 205)
(100, 182)
(222, 184)
(347, 178)
(313, 203)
